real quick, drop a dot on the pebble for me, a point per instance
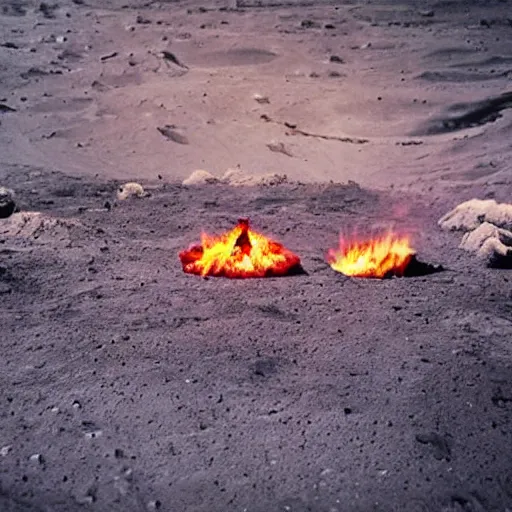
(36, 457)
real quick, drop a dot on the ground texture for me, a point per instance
(127, 385)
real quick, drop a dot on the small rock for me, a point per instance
(170, 132)
(261, 99)
(4, 451)
(309, 24)
(142, 21)
(154, 505)
(279, 147)
(37, 457)
(7, 204)
(337, 59)
(426, 13)
(200, 177)
(131, 189)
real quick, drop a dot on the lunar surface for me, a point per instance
(129, 385)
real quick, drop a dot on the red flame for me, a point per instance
(239, 253)
(379, 257)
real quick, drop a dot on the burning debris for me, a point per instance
(238, 254)
(381, 257)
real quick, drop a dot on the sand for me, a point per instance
(126, 384)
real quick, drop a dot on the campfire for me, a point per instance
(389, 255)
(238, 254)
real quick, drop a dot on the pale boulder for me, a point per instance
(200, 177)
(490, 244)
(470, 214)
(131, 189)
(240, 178)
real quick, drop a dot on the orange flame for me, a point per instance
(381, 257)
(239, 253)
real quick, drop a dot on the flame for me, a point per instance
(239, 253)
(380, 257)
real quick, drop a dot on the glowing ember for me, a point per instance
(384, 256)
(239, 253)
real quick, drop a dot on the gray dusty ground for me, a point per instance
(126, 385)
(140, 386)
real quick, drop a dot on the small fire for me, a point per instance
(381, 257)
(239, 253)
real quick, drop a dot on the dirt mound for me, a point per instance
(38, 227)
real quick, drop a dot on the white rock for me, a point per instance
(37, 457)
(4, 451)
(240, 178)
(470, 214)
(260, 98)
(491, 244)
(131, 189)
(200, 177)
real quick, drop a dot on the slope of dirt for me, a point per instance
(127, 385)
(92, 87)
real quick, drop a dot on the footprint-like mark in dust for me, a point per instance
(62, 105)
(441, 446)
(467, 115)
(235, 57)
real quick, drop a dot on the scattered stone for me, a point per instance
(491, 244)
(6, 108)
(154, 505)
(141, 20)
(279, 147)
(200, 177)
(309, 24)
(337, 59)
(10, 45)
(48, 10)
(470, 214)
(109, 56)
(7, 203)
(261, 99)
(131, 189)
(37, 457)
(170, 132)
(4, 451)
(169, 56)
